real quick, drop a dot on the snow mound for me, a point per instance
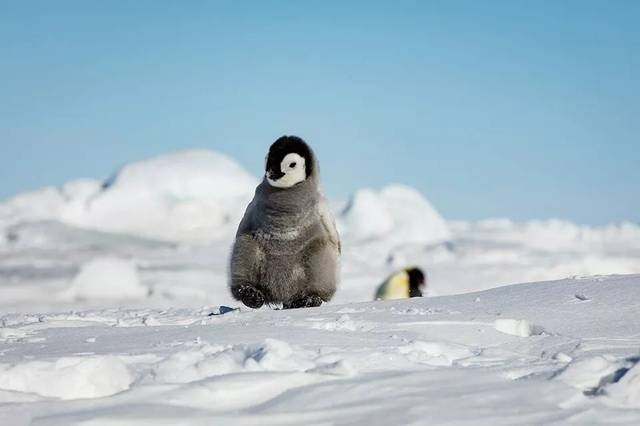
(107, 278)
(190, 366)
(366, 216)
(68, 377)
(587, 374)
(397, 212)
(521, 328)
(189, 195)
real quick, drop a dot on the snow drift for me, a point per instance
(397, 213)
(189, 195)
(107, 278)
(200, 195)
(68, 377)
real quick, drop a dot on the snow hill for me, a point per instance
(398, 214)
(198, 196)
(191, 196)
(561, 352)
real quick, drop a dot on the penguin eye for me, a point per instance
(292, 165)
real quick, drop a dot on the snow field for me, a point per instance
(441, 359)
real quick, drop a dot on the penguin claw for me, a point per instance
(249, 296)
(309, 301)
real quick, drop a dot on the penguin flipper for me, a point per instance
(329, 224)
(247, 259)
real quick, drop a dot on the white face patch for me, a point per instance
(295, 171)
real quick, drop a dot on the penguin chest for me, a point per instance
(396, 287)
(283, 272)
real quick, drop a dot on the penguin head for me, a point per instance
(416, 281)
(289, 162)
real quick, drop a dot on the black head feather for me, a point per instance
(286, 145)
(416, 282)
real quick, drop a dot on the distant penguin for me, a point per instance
(408, 282)
(287, 247)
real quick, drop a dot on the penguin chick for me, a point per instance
(408, 282)
(287, 247)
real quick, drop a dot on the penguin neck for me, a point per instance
(287, 210)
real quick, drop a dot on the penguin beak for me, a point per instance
(274, 175)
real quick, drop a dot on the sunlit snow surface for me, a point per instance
(455, 359)
(106, 292)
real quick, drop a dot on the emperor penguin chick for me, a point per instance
(287, 247)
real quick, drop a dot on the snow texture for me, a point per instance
(114, 310)
(117, 366)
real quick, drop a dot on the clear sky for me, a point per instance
(500, 108)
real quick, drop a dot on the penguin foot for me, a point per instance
(309, 301)
(250, 296)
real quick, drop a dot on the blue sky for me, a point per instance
(501, 108)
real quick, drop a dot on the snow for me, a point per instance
(520, 328)
(106, 278)
(114, 309)
(435, 353)
(434, 359)
(68, 377)
(587, 373)
(626, 392)
(187, 195)
(397, 212)
(208, 361)
(365, 217)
